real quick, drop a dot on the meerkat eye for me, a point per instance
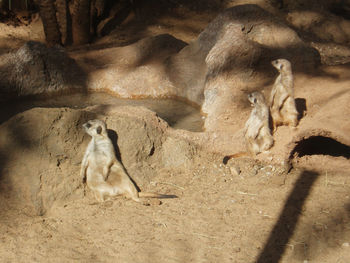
(99, 130)
(88, 125)
(255, 100)
(281, 67)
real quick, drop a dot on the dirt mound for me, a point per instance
(41, 151)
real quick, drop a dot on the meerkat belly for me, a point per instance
(117, 175)
(94, 171)
(289, 107)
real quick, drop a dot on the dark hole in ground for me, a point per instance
(320, 145)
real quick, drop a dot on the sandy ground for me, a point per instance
(253, 213)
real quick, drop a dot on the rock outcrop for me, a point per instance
(35, 69)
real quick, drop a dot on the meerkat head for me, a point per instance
(95, 128)
(256, 98)
(281, 64)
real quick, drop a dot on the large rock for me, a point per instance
(233, 56)
(40, 156)
(36, 69)
(132, 71)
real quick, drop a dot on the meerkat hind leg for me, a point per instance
(132, 193)
(101, 189)
(127, 188)
(99, 196)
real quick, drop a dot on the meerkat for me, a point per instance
(282, 103)
(257, 131)
(105, 175)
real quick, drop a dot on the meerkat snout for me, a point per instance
(95, 127)
(87, 125)
(252, 99)
(277, 64)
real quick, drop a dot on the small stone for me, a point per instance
(235, 170)
(346, 244)
(237, 249)
(318, 227)
(155, 201)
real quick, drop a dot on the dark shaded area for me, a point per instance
(116, 20)
(226, 159)
(152, 151)
(320, 145)
(300, 104)
(341, 8)
(15, 19)
(288, 219)
(117, 13)
(114, 138)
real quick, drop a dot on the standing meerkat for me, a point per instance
(257, 131)
(105, 175)
(282, 103)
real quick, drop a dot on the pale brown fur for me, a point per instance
(282, 103)
(257, 130)
(105, 175)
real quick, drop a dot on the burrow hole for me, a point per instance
(320, 145)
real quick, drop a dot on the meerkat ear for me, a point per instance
(255, 100)
(99, 130)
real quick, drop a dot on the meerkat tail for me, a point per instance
(236, 155)
(155, 195)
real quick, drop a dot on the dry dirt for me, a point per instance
(244, 211)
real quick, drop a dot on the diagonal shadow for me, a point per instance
(287, 222)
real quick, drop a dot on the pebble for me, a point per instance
(235, 170)
(237, 249)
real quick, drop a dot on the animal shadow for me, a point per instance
(300, 104)
(114, 138)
